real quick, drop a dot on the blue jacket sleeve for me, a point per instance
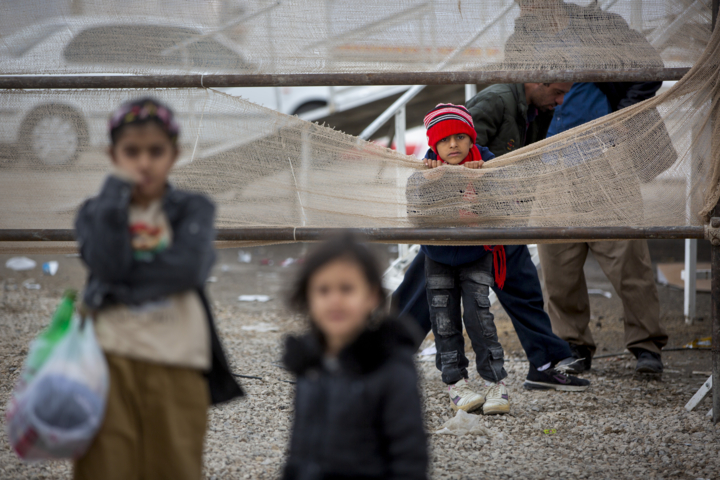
(485, 153)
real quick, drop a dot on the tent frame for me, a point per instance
(409, 235)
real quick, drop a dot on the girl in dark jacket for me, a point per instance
(357, 405)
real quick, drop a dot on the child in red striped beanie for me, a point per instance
(460, 273)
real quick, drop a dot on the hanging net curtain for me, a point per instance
(652, 164)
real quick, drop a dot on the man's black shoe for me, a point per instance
(649, 362)
(554, 379)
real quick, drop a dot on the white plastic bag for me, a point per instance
(58, 413)
(464, 423)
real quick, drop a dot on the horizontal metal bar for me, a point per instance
(396, 235)
(337, 79)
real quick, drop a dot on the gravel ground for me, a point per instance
(624, 426)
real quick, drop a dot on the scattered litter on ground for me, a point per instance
(464, 423)
(598, 291)
(31, 285)
(431, 350)
(20, 263)
(703, 373)
(260, 327)
(550, 431)
(50, 268)
(224, 268)
(244, 257)
(287, 262)
(267, 261)
(247, 376)
(705, 342)
(212, 280)
(253, 298)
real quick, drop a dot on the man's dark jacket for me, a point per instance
(116, 277)
(360, 418)
(500, 114)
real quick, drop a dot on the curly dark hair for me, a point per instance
(345, 246)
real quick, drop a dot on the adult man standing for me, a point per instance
(507, 117)
(557, 35)
(625, 263)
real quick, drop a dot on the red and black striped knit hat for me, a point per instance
(447, 119)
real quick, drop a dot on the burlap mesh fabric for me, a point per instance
(653, 164)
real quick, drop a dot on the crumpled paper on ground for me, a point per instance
(464, 423)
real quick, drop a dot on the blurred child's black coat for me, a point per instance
(115, 277)
(361, 418)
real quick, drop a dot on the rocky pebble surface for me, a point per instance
(624, 426)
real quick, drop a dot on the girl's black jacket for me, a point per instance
(359, 417)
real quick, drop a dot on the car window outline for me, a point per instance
(32, 39)
(192, 55)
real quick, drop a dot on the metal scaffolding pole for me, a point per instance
(472, 235)
(715, 253)
(336, 79)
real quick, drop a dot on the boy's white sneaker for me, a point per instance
(463, 398)
(496, 399)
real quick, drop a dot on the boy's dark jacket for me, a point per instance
(115, 277)
(362, 418)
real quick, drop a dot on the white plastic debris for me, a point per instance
(244, 257)
(211, 280)
(597, 291)
(31, 285)
(253, 298)
(287, 262)
(224, 268)
(20, 263)
(431, 350)
(260, 327)
(464, 423)
(50, 268)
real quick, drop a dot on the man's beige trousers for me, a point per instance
(627, 265)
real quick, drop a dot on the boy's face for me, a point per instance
(454, 149)
(146, 153)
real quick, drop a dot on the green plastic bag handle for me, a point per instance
(45, 342)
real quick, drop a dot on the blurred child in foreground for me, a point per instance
(357, 405)
(148, 248)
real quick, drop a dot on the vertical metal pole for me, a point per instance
(400, 125)
(690, 280)
(470, 91)
(715, 289)
(636, 16)
(400, 131)
(715, 259)
(304, 174)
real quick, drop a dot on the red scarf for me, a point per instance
(500, 264)
(472, 156)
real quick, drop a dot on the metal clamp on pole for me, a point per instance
(712, 231)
